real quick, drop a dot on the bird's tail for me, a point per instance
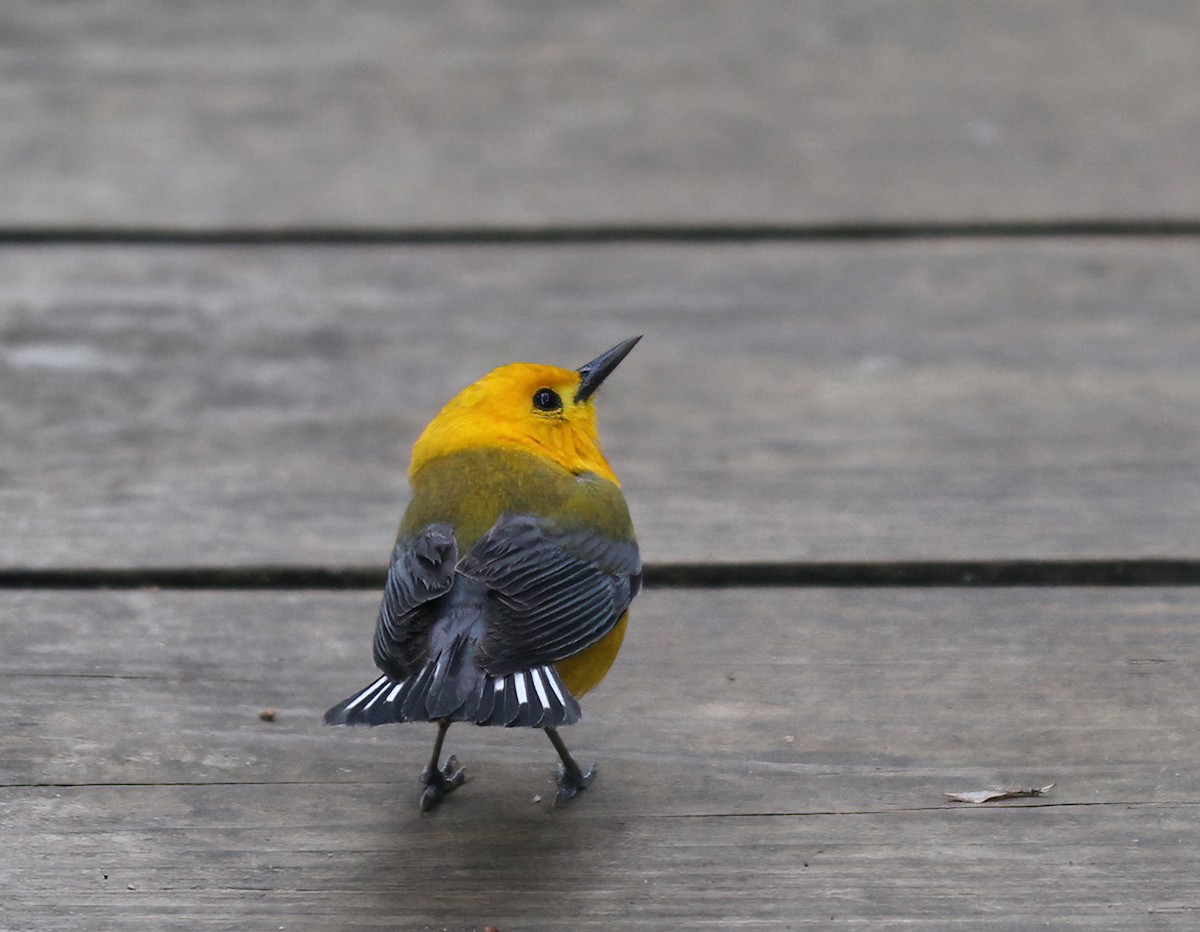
(530, 698)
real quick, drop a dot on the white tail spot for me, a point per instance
(378, 695)
(540, 688)
(552, 679)
(378, 684)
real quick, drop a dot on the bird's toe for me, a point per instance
(440, 781)
(570, 781)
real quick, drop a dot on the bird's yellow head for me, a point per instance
(542, 410)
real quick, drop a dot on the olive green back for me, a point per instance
(471, 489)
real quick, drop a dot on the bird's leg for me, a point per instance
(440, 779)
(570, 778)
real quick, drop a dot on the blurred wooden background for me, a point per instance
(919, 283)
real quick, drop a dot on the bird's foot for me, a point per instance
(439, 781)
(570, 781)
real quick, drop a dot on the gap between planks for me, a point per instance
(1098, 227)
(1114, 572)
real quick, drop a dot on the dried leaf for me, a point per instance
(987, 796)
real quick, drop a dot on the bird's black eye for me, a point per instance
(546, 399)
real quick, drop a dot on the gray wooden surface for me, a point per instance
(978, 399)
(769, 758)
(283, 113)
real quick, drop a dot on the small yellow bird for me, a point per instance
(510, 582)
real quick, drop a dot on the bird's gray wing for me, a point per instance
(552, 591)
(421, 572)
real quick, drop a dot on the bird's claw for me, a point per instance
(440, 781)
(571, 781)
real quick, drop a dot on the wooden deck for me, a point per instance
(919, 282)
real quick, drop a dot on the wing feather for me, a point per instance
(553, 593)
(421, 572)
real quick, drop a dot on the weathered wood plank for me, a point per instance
(288, 857)
(281, 113)
(775, 695)
(768, 759)
(974, 400)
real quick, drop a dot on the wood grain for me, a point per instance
(974, 400)
(767, 759)
(446, 114)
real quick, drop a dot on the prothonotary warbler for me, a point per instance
(509, 586)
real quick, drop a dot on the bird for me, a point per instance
(508, 589)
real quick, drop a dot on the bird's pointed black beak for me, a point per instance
(596, 371)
